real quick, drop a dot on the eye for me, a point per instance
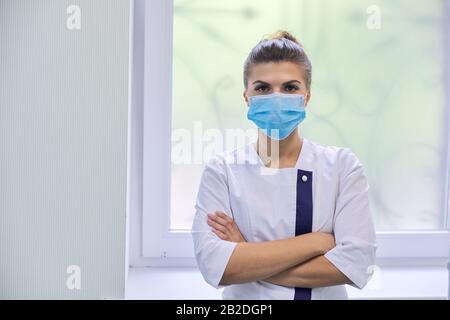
(291, 88)
(262, 88)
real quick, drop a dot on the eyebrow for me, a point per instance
(288, 82)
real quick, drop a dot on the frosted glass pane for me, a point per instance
(379, 92)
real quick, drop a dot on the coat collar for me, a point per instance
(305, 160)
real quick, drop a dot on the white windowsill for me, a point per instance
(168, 283)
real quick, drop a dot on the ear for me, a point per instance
(307, 98)
(244, 94)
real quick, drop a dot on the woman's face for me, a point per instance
(282, 77)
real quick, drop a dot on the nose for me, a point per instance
(276, 89)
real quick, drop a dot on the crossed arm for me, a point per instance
(293, 262)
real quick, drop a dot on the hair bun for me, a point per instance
(284, 35)
(278, 47)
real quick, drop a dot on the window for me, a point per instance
(381, 90)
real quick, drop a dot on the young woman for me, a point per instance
(283, 218)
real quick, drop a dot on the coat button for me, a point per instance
(304, 178)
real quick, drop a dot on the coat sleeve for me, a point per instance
(211, 252)
(354, 231)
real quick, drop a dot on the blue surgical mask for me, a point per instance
(277, 114)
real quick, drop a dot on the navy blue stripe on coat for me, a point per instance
(303, 218)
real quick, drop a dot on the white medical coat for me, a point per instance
(326, 191)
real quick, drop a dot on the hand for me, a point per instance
(225, 227)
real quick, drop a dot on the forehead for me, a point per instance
(276, 72)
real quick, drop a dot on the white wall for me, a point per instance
(63, 148)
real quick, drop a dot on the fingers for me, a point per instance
(222, 218)
(220, 234)
(224, 227)
(216, 225)
(221, 224)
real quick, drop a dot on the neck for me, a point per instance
(287, 149)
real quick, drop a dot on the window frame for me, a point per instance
(162, 247)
